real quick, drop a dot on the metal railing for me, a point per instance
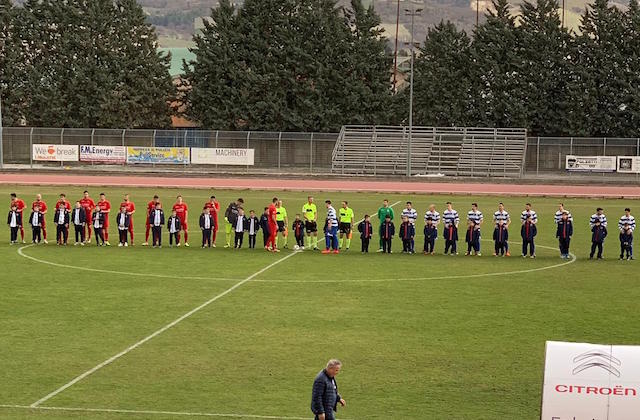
(305, 153)
(546, 155)
(296, 152)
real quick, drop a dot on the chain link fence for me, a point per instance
(546, 156)
(303, 153)
(295, 152)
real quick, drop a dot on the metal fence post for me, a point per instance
(93, 132)
(538, 157)
(216, 145)
(153, 139)
(62, 143)
(31, 148)
(604, 146)
(184, 144)
(571, 146)
(248, 136)
(124, 130)
(279, 145)
(311, 154)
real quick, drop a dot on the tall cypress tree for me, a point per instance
(441, 79)
(495, 77)
(10, 81)
(92, 63)
(286, 65)
(600, 75)
(546, 53)
(631, 98)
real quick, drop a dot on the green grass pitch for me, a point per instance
(421, 337)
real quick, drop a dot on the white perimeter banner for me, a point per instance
(591, 163)
(219, 156)
(629, 164)
(103, 154)
(55, 152)
(591, 382)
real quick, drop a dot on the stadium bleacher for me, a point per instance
(382, 150)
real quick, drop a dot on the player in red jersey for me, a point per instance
(130, 208)
(43, 209)
(151, 205)
(105, 208)
(273, 226)
(181, 210)
(88, 205)
(214, 208)
(62, 201)
(20, 205)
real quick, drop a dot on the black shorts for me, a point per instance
(281, 226)
(345, 228)
(311, 227)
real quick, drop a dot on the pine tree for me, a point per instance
(546, 53)
(496, 68)
(600, 76)
(441, 79)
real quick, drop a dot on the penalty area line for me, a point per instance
(158, 332)
(149, 412)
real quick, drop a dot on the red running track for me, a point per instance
(266, 183)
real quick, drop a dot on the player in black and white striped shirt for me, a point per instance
(626, 224)
(529, 213)
(598, 215)
(558, 215)
(502, 216)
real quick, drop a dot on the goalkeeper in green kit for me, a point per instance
(383, 212)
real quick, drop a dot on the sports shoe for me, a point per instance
(326, 251)
(275, 250)
(81, 243)
(336, 251)
(229, 246)
(178, 244)
(186, 244)
(495, 254)
(533, 256)
(286, 246)
(106, 243)
(75, 244)
(145, 244)
(479, 254)
(126, 244)
(507, 254)
(467, 253)
(45, 241)
(24, 242)
(120, 244)
(380, 250)
(213, 245)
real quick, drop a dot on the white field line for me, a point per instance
(158, 332)
(461, 276)
(151, 412)
(127, 273)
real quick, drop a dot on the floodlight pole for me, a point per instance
(395, 52)
(413, 13)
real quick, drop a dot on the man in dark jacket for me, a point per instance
(325, 396)
(230, 217)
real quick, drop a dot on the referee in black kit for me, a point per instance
(325, 396)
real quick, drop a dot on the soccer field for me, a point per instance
(421, 337)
